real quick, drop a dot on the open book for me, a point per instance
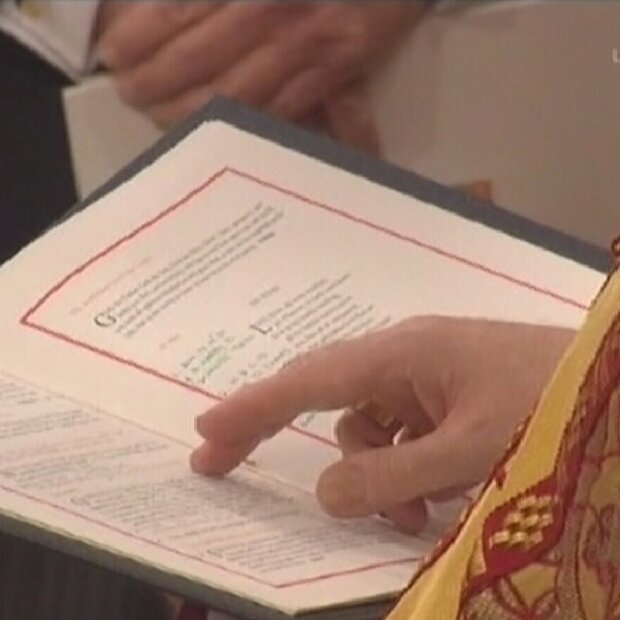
(216, 258)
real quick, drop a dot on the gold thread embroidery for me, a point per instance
(524, 526)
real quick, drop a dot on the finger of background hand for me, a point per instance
(146, 26)
(351, 120)
(109, 13)
(202, 52)
(253, 81)
(328, 378)
(314, 120)
(373, 481)
(175, 110)
(338, 55)
(301, 94)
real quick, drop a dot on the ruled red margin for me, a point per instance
(28, 319)
(197, 558)
(201, 560)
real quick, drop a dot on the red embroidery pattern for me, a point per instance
(553, 552)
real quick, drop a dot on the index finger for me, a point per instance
(329, 378)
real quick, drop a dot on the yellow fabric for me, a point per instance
(546, 587)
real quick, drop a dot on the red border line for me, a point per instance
(417, 242)
(123, 360)
(199, 559)
(257, 471)
(27, 319)
(128, 237)
(164, 377)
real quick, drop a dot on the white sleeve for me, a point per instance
(60, 31)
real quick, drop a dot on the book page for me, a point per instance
(241, 274)
(226, 258)
(78, 469)
(211, 307)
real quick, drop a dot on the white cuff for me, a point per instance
(60, 31)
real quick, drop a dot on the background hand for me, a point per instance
(455, 390)
(289, 58)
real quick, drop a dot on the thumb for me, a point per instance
(381, 479)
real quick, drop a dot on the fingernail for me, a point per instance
(197, 459)
(201, 425)
(342, 491)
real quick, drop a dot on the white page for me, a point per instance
(404, 257)
(226, 304)
(103, 479)
(318, 234)
(399, 257)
